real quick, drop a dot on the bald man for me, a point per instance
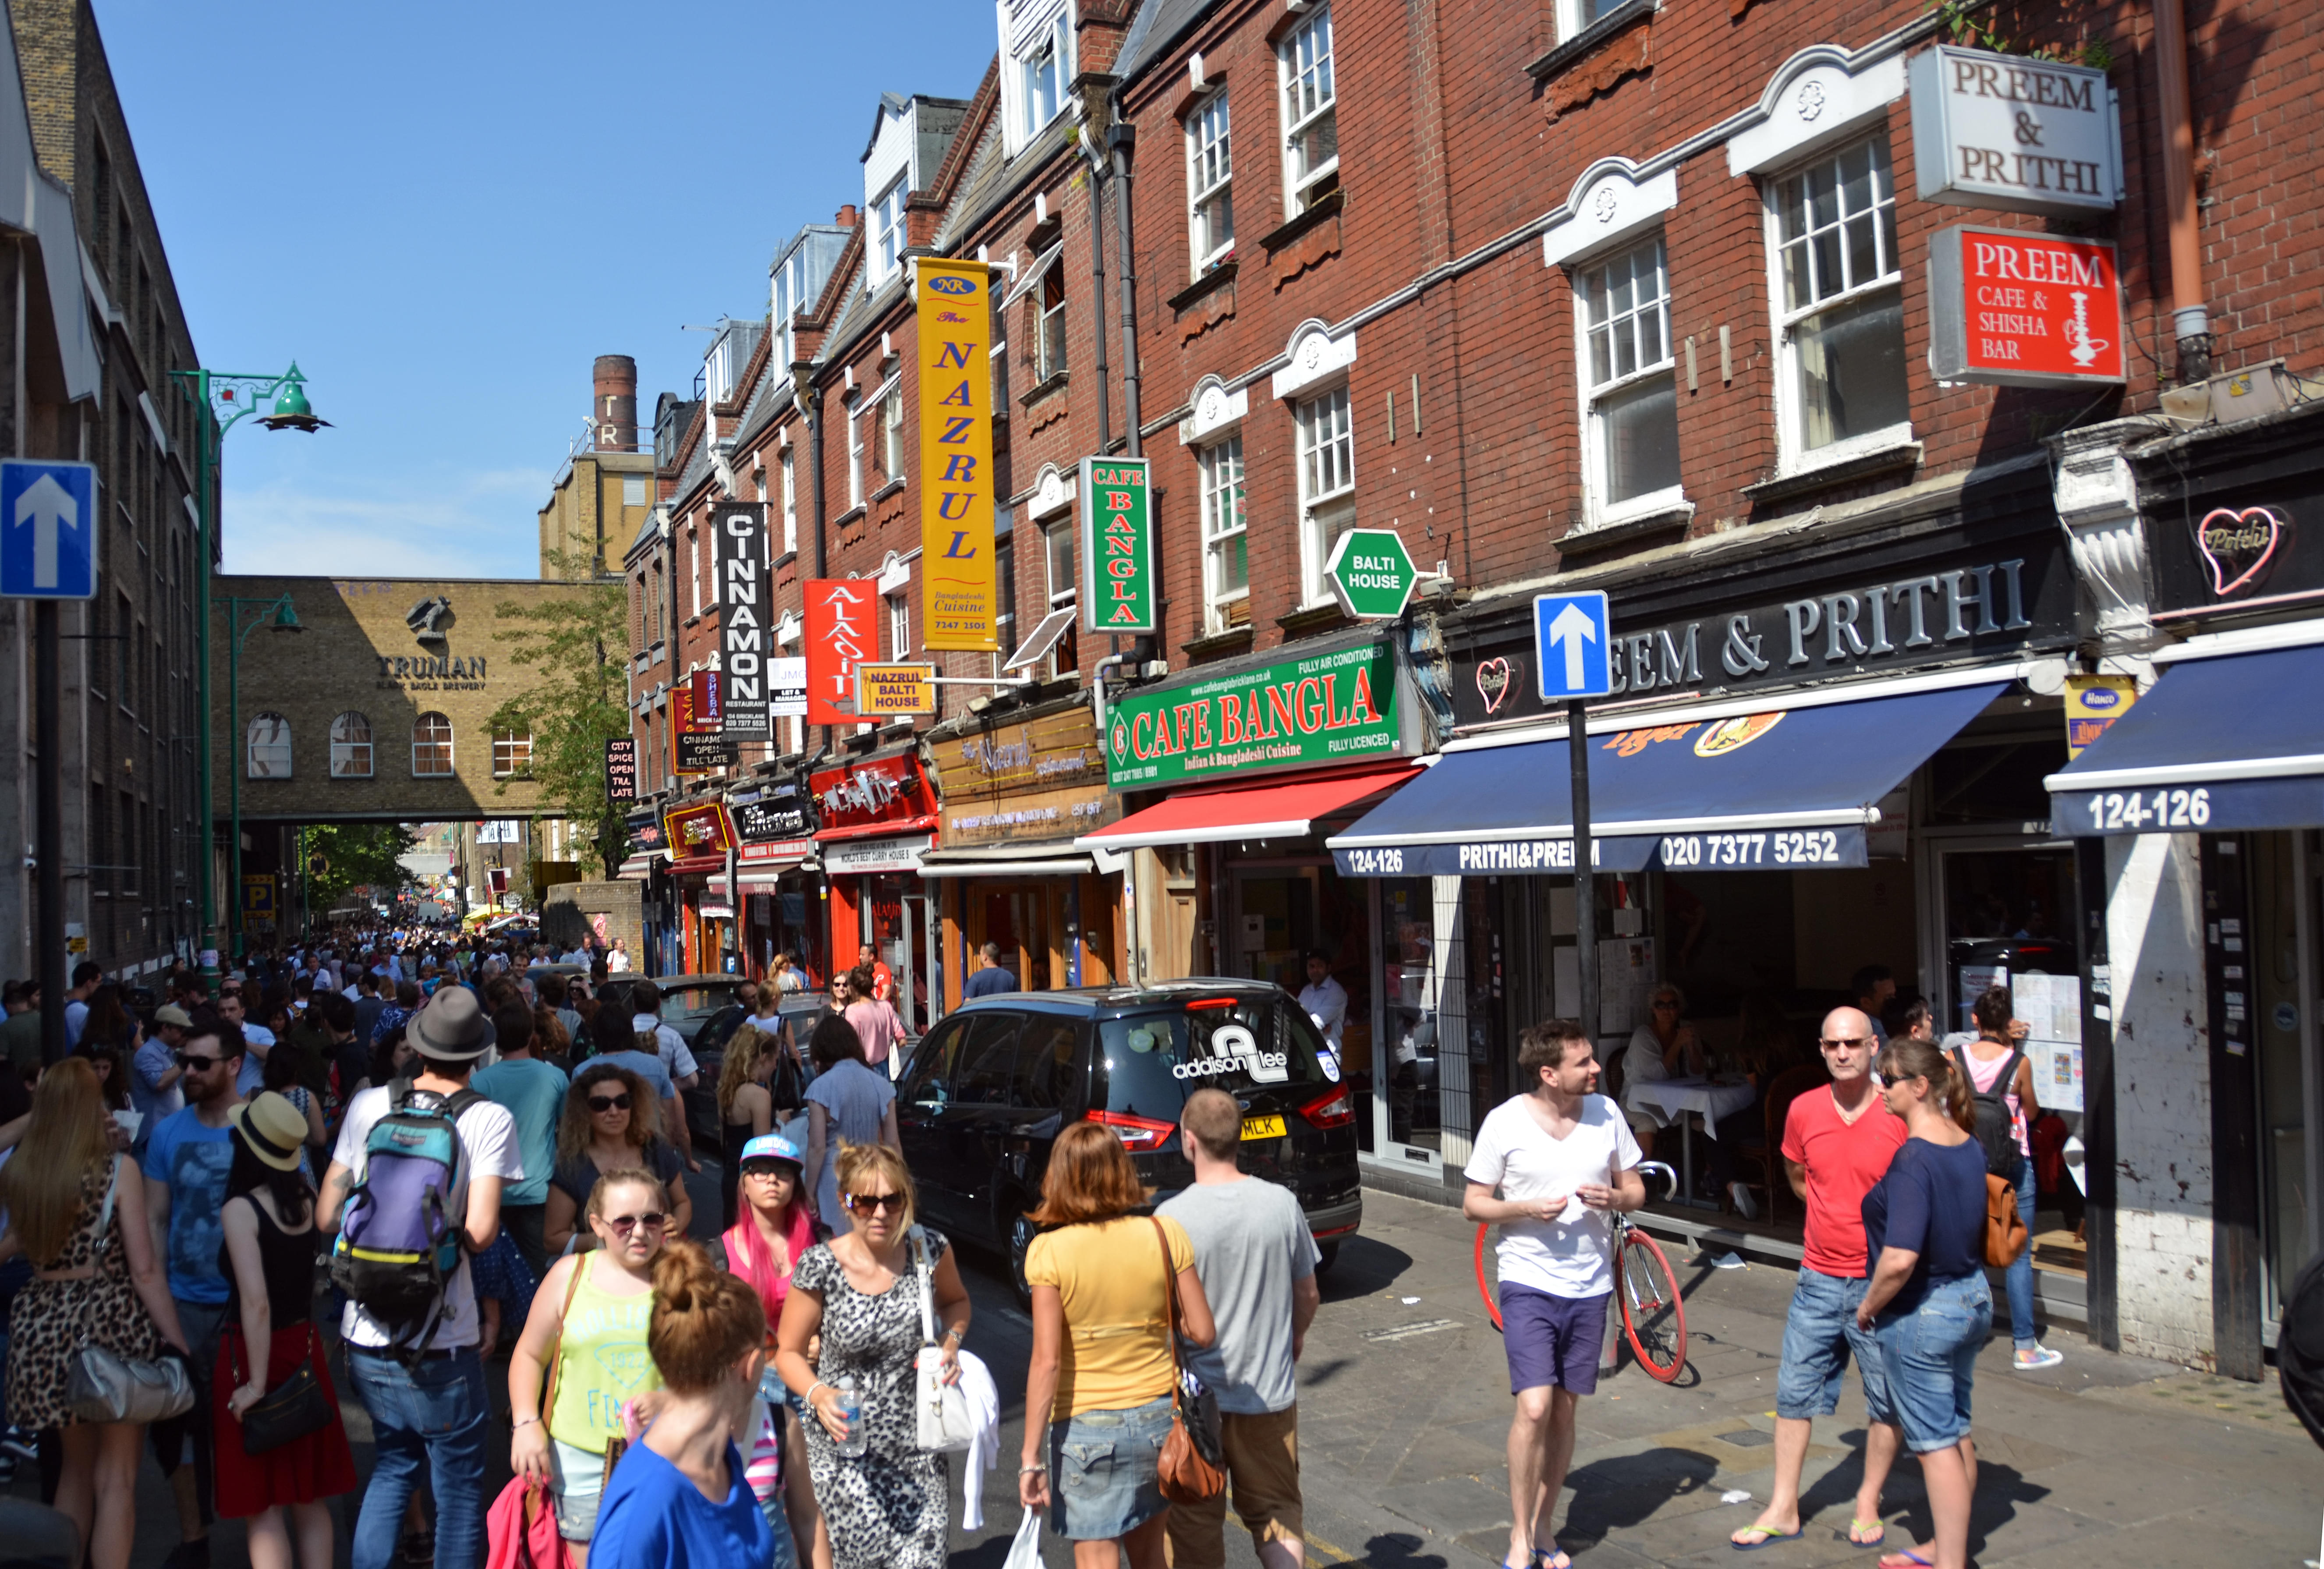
(1838, 1141)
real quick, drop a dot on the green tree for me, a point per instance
(356, 855)
(578, 647)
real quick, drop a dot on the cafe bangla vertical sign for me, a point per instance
(1301, 713)
(1117, 593)
(954, 333)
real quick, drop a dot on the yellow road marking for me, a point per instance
(1331, 1555)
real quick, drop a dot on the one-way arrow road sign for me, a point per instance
(1571, 633)
(48, 531)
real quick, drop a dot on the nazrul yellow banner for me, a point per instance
(955, 409)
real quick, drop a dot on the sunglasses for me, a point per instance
(1846, 1041)
(609, 1102)
(622, 1225)
(196, 1063)
(862, 1202)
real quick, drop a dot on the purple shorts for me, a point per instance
(1553, 1341)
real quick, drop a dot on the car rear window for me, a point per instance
(1152, 1061)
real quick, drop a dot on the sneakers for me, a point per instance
(1741, 1195)
(2035, 1356)
(17, 1443)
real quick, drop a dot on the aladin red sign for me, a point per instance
(841, 629)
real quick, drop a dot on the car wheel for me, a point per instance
(1326, 1255)
(1021, 1232)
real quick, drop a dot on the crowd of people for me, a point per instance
(238, 1184)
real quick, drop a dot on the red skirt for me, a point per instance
(317, 1466)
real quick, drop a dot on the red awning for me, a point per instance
(698, 864)
(1288, 810)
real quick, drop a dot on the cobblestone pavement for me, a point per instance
(1403, 1407)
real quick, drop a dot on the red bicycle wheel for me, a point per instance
(1484, 1287)
(1654, 1314)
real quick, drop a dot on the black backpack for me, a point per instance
(1996, 1129)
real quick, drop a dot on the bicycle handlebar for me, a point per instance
(1669, 1176)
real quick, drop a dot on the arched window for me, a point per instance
(351, 746)
(431, 746)
(268, 747)
(511, 753)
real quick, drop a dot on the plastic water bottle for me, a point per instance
(851, 1411)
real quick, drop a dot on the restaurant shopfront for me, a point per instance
(876, 819)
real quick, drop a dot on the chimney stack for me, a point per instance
(614, 409)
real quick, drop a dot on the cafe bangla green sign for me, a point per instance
(1330, 708)
(1118, 588)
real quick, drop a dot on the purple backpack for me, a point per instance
(398, 1245)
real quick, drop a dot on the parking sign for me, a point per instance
(48, 530)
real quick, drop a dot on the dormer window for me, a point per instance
(1044, 73)
(888, 227)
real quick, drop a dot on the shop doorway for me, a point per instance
(1276, 923)
(1016, 916)
(897, 923)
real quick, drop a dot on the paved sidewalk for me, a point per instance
(1404, 1407)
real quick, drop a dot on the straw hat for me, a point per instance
(271, 1128)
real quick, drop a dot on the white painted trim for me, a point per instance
(1314, 356)
(1609, 204)
(1053, 492)
(2242, 640)
(1607, 723)
(1216, 412)
(2228, 772)
(1821, 95)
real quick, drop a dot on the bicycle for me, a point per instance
(1654, 1313)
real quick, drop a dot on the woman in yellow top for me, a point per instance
(1102, 1360)
(593, 1308)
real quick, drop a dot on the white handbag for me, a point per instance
(945, 1425)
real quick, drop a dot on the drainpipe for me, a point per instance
(808, 398)
(1122, 138)
(2190, 319)
(1097, 292)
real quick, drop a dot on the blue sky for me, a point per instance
(444, 212)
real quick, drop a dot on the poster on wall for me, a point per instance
(2052, 1008)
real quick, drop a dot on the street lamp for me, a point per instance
(226, 399)
(276, 614)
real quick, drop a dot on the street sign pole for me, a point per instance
(1585, 865)
(49, 833)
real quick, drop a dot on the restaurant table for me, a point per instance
(1673, 1098)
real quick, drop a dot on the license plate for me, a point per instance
(1262, 1128)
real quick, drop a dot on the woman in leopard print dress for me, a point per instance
(96, 1282)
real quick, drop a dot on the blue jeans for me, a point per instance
(432, 1414)
(1929, 1355)
(1818, 1332)
(2019, 1279)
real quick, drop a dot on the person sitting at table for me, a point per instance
(1763, 1048)
(1663, 1047)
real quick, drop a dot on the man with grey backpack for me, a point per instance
(413, 1189)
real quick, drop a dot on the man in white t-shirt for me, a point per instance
(429, 1413)
(676, 1061)
(1562, 1159)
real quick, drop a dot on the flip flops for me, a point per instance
(1765, 1534)
(1856, 1529)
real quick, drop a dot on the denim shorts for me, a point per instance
(1930, 1354)
(577, 1478)
(1818, 1334)
(1105, 1471)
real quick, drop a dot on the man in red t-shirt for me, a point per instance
(1838, 1142)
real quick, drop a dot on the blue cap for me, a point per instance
(770, 1147)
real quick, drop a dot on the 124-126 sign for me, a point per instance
(2017, 308)
(1117, 545)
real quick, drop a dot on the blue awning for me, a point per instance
(2226, 744)
(1775, 789)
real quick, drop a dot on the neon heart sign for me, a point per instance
(1493, 683)
(2237, 545)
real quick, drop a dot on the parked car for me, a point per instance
(708, 1044)
(983, 1097)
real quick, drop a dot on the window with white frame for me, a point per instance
(790, 289)
(1210, 184)
(1311, 130)
(1573, 16)
(268, 749)
(1042, 73)
(1057, 543)
(900, 626)
(855, 455)
(891, 430)
(791, 505)
(633, 490)
(351, 746)
(511, 753)
(1051, 340)
(693, 569)
(1327, 484)
(1226, 560)
(1629, 394)
(431, 746)
(1840, 304)
(888, 227)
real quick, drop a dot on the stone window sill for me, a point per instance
(853, 514)
(1217, 277)
(1041, 390)
(1314, 618)
(886, 490)
(1234, 640)
(1904, 456)
(1625, 531)
(1323, 212)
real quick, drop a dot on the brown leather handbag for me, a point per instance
(2004, 1228)
(1187, 1475)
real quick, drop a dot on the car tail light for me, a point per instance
(1332, 1109)
(1201, 1002)
(1138, 1135)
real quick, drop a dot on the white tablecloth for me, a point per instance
(1673, 1097)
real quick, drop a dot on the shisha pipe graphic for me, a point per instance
(2086, 349)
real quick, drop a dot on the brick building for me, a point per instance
(605, 492)
(1651, 300)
